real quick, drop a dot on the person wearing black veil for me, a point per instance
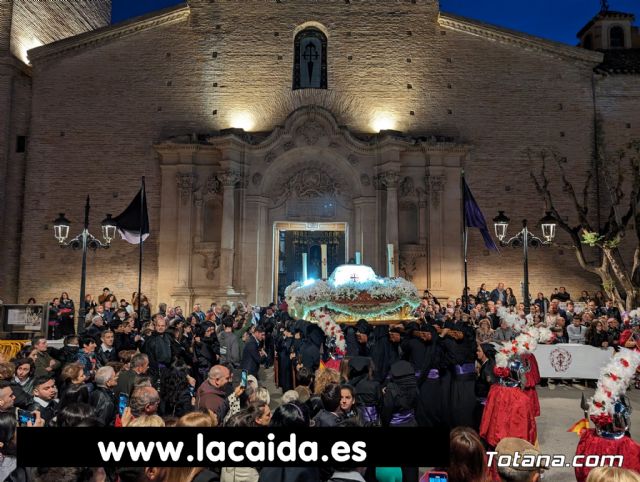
(400, 397)
(284, 347)
(310, 350)
(486, 354)
(420, 347)
(399, 401)
(363, 339)
(458, 341)
(383, 352)
(368, 392)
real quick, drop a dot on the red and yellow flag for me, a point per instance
(579, 426)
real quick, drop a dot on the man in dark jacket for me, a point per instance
(44, 394)
(212, 394)
(124, 339)
(268, 323)
(106, 352)
(96, 328)
(69, 350)
(229, 347)
(102, 398)
(139, 365)
(252, 355)
(158, 346)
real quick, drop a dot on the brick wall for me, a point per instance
(15, 89)
(97, 112)
(6, 9)
(38, 23)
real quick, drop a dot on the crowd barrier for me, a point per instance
(571, 360)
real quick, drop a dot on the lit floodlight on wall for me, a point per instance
(352, 273)
(242, 120)
(28, 44)
(383, 122)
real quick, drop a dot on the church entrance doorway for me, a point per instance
(293, 239)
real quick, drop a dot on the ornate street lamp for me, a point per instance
(83, 241)
(525, 239)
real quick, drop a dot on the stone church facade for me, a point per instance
(349, 117)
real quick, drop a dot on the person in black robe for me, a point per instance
(486, 354)
(268, 322)
(363, 332)
(310, 350)
(420, 347)
(383, 352)
(459, 348)
(399, 401)
(284, 347)
(368, 391)
(400, 397)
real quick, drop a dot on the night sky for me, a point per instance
(557, 20)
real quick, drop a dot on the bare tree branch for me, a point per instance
(542, 186)
(582, 210)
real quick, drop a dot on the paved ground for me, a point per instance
(560, 409)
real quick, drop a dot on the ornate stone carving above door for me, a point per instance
(406, 187)
(211, 257)
(186, 184)
(311, 183)
(310, 132)
(409, 256)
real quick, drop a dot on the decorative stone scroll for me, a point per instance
(229, 178)
(186, 184)
(387, 180)
(311, 132)
(435, 184)
(211, 258)
(408, 262)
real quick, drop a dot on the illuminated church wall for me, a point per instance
(149, 98)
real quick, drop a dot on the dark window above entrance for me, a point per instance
(310, 60)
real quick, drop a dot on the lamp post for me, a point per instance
(83, 241)
(525, 239)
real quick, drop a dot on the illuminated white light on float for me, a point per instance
(352, 273)
(309, 282)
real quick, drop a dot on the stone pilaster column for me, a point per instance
(434, 182)
(6, 14)
(186, 182)
(228, 179)
(390, 180)
(364, 232)
(423, 204)
(259, 236)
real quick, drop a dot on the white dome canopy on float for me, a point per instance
(352, 292)
(353, 273)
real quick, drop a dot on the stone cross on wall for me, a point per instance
(310, 55)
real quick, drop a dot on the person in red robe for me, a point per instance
(531, 380)
(508, 412)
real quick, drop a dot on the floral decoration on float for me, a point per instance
(351, 293)
(332, 331)
(524, 343)
(609, 408)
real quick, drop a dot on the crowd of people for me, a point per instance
(204, 368)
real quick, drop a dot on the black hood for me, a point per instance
(359, 365)
(401, 369)
(363, 327)
(315, 335)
